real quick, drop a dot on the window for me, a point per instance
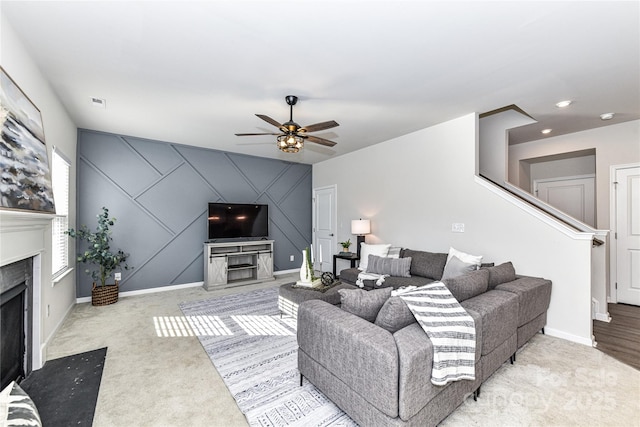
(60, 241)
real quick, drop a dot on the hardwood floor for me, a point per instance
(620, 338)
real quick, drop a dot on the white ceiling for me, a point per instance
(196, 72)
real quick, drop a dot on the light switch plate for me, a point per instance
(117, 276)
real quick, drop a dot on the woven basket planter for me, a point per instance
(104, 295)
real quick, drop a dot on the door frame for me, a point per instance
(334, 214)
(613, 216)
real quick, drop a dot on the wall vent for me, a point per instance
(98, 102)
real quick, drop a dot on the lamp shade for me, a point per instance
(360, 226)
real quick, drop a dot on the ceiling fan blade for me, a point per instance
(319, 140)
(320, 126)
(254, 134)
(269, 120)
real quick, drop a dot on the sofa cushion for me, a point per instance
(366, 250)
(394, 315)
(426, 264)
(350, 275)
(534, 295)
(456, 267)
(397, 282)
(364, 304)
(397, 267)
(502, 273)
(499, 312)
(468, 285)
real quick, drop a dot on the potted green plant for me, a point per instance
(100, 259)
(345, 245)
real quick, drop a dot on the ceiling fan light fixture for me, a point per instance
(606, 116)
(293, 135)
(290, 143)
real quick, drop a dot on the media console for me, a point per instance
(237, 263)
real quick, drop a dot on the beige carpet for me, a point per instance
(169, 381)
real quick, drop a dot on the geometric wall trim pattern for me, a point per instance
(158, 193)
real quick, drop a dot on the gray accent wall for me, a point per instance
(158, 193)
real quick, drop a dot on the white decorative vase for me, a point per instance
(304, 269)
(306, 273)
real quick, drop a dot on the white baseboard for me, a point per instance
(603, 317)
(148, 291)
(45, 344)
(569, 337)
(174, 287)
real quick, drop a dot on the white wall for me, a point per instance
(493, 142)
(415, 186)
(561, 168)
(615, 145)
(59, 131)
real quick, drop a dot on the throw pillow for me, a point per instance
(468, 258)
(394, 315)
(456, 267)
(394, 252)
(365, 304)
(396, 267)
(366, 250)
(468, 285)
(502, 273)
(17, 408)
(426, 264)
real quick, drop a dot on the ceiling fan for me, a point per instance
(292, 136)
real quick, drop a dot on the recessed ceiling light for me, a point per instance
(546, 131)
(607, 116)
(563, 104)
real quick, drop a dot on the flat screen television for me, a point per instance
(238, 220)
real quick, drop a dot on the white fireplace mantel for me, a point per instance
(22, 235)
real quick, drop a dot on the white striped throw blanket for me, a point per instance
(449, 327)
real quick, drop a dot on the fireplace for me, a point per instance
(22, 248)
(16, 320)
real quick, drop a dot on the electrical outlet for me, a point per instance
(291, 258)
(117, 276)
(457, 227)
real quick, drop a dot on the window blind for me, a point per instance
(60, 241)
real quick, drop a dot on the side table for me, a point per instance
(350, 257)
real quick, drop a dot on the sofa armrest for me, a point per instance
(362, 355)
(415, 354)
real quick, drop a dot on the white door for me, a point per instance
(324, 227)
(627, 234)
(574, 196)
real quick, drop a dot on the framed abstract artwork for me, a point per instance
(25, 178)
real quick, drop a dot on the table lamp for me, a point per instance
(360, 227)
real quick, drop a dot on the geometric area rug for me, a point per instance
(255, 352)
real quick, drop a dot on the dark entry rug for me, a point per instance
(65, 390)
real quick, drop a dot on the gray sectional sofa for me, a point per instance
(378, 371)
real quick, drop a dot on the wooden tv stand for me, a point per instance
(229, 264)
